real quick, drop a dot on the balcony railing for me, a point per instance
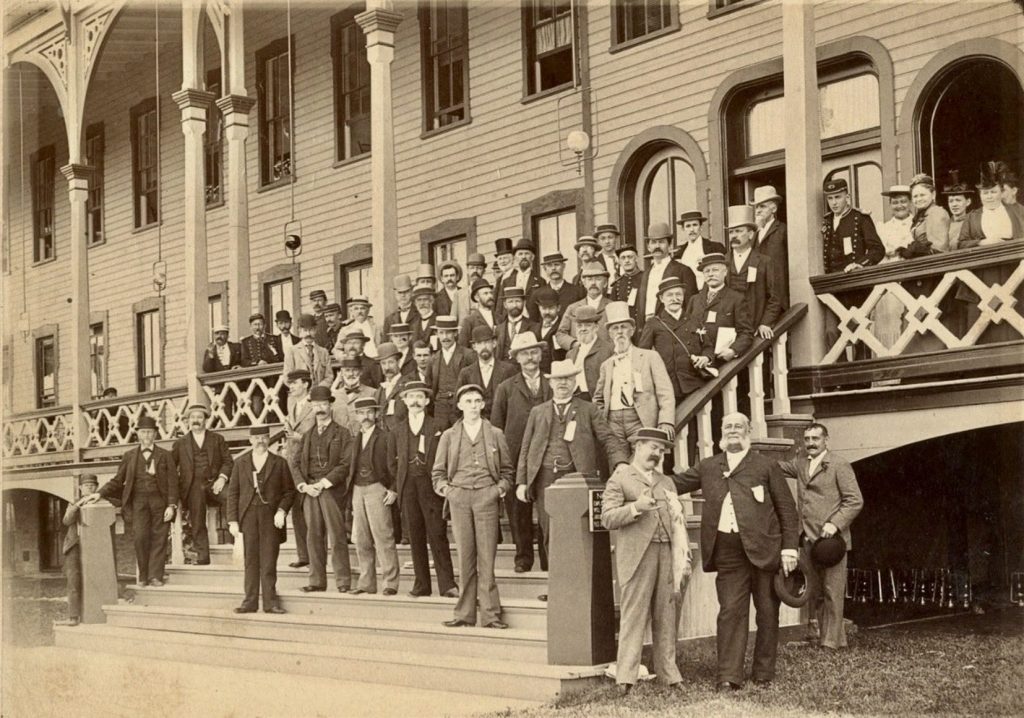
(46, 431)
(113, 422)
(245, 397)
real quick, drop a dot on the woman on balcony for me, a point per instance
(896, 236)
(930, 227)
(993, 222)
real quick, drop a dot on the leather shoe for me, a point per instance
(244, 609)
(451, 593)
(344, 589)
(390, 591)
(298, 564)
(417, 594)
(311, 589)
(521, 569)
(156, 582)
(496, 624)
(456, 623)
(274, 609)
(624, 688)
(724, 686)
(357, 591)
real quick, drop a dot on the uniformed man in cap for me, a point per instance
(608, 237)
(412, 449)
(359, 318)
(299, 419)
(694, 245)
(318, 297)
(221, 354)
(659, 244)
(309, 355)
(589, 352)
(204, 466)
(586, 254)
(405, 313)
(332, 315)
(516, 321)
(373, 495)
(260, 347)
(487, 371)
(627, 287)
(146, 485)
(849, 238)
(72, 565)
(525, 277)
(482, 314)
(285, 338)
(259, 495)
(445, 366)
(772, 235)
(423, 322)
(595, 280)
(553, 266)
(323, 477)
(448, 299)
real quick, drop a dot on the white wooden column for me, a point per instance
(194, 104)
(78, 176)
(803, 174)
(379, 25)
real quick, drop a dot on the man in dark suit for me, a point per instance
(482, 314)
(504, 267)
(445, 366)
(146, 485)
(772, 236)
(694, 244)
(422, 358)
(586, 254)
(260, 347)
(323, 478)
(372, 490)
(563, 435)
(412, 449)
(221, 354)
(589, 351)
(391, 407)
(550, 316)
(259, 496)
(749, 526)
(297, 422)
(525, 277)
(319, 299)
(332, 315)
(401, 336)
(608, 238)
(752, 273)
(565, 292)
(487, 371)
(285, 338)
(405, 313)
(513, 401)
(516, 321)
(661, 267)
(627, 287)
(425, 318)
(448, 297)
(595, 279)
(666, 334)
(204, 466)
(828, 499)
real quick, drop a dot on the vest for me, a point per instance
(447, 379)
(144, 482)
(364, 464)
(418, 469)
(319, 454)
(556, 454)
(200, 459)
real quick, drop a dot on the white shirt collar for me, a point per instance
(816, 462)
(734, 458)
(416, 422)
(595, 303)
(448, 353)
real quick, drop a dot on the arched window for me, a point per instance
(666, 186)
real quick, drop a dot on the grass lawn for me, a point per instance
(962, 665)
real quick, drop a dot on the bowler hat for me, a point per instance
(387, 349)
(503, 245)
(562, 369)
(617, 313)
(650, 434)
(765, 193)
(476, 260)
(545, 297)
(317, 294)
(282, 315)
(307, 321)
(827, 552)
(482, 333)
(321, 393)
(446, 321)
(513, 293)
(835, 186)
(479, 284)
(670, 283)
(709, 259)
(399, 328)
(659, 230)
(263, 430)
(587, 315)
(525, 244)
(794, 589)
(523, 341)
(146, 422)
(741, 215)
(425, 271)
(365, 402)
(466, 389)
(694, 215)
(257, 315)
(586, 241)
(401, 283)
(606, 228)
(415, 385)
(451, 263)
(302, 374)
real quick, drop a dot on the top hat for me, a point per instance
(545, 297)
(765, 193)
(300, 374)
(553, 258)
(617, 313)
(587, 314)
(563, 369)
(626, 247)
(282, 315)
(741, 215)
(513, 293)
(503, 246)
(454, 265)
(307, 321)
(835, 186)
(659, 230)
(524, 340)
(594, 269)
(415, 385)
(359, 299)
(827, 552)
(321, 393)
(482, 333)
(607, 228)
(365, 402)
(794, 590)
(476, 260)
(317, 294)
(692, 215)
(525, 244)
(670, 283)
(467, 388)
(425, 271)
(263, 430)
(586, 241)
(387, 349)
(257, 315)
(896, 190)
(650, 434)
(446, 321)
(401, 283)
(146, 422)
(479, 284)
(709, 259)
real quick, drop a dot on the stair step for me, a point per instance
(510, 584)
(363, 631)
(517, 613)
(505, 678)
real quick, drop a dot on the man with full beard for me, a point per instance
(482, 314)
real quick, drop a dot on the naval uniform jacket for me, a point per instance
(623, 287)
(266, 348)
(856, 232)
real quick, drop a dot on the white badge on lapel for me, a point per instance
(638, 380)
(570, 431)
(391, 407)
(423, 444)
(751, 274)
(847, 245)
(255, 479)
(433, 342)
(631, 301)
(712, 317)
(758, 492)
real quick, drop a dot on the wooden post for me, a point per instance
(758, 426)
(379, 25)
(803, 174)
(81, 369)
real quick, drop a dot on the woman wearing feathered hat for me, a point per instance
(993, 221)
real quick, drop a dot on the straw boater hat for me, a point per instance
(359, 299)
(693, 215)
(415, 385)
(601, 228)
(365, 402)
(586, 241)
(711, 258)
(553, 258)
(896, 190)
(670, 283)
(399, 328)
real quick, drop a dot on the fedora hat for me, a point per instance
(307, 321)
(694, 215)
(387, 349)
(525, 244)
(451, 263)
(562, 369)
(321, 393)
(545, 296)
(350, 363)
(794, 590)
(401, 283)
(502, 245)
(659, 230)
(586, 241)
(650, 434)
(586, 315)
(479, 284)
(741, 215)
(827, 552)
(617, 313)
(355, 334)
(524, 340)
(896, 190)
(709, 259)
(765, 193)
(601, 228)
(146, 422)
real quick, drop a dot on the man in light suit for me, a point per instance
(595, 279)
(260, 494)
(635, 505)
(309, 355)
(694, 245)
(828, 499)
(633, 388)
(299, 420)
(749, 526)
(589, 352)
(563, 435)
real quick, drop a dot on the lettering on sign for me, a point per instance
(594, 510)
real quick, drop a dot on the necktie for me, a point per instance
(309, 355)
(711, 296)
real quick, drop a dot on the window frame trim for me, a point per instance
(445, 230)
(558, 200)
(338, 21)
(101, 317)
(674, 25)
(211, 112)
(356, 254)
(90, 131)
(274, 48)
(526, 43)
(44, 331)
(44, 152)
(427, 79)
(143, 107)
(144, 306)
(279, 273)
(715, 11)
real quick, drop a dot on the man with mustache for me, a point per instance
(482, 315)
(412, 450)
(445, 366)
(351, 345)
(589, 352)
(401, 336)
(221, 354)
(332, 315)
(504, 260)
(487, 371)
(405, 313)
(566, 293)
(259, 347)
(516, 321)
(608, 238)
(749, 527)
(595, 279)
(662, 266)
(753, 273)
(423, 322)
(448, 298)
(258, 499)
(323, 479)
(299, 420)
(344, 412)
(359, 319)
(524, 277)
(666, 334)
(547, 330)
(772, 235)
(283, 322)
(586, 253)
(319, 299)
(627, 287)
(308, 355)
(204, 466)
(694, 244)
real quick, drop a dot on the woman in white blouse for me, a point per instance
(896, 236)
(994, 221)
